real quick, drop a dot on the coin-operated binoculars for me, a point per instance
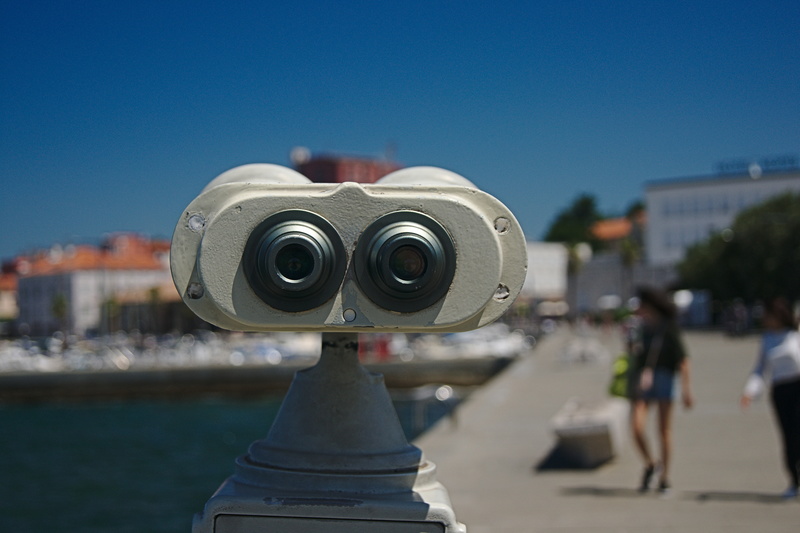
(264, 249)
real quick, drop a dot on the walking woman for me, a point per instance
(658, 355)
(779, 358)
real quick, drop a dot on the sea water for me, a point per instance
(135, 466)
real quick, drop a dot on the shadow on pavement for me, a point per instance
(699, 496)
(734, 496)
(560, 459)
(605, 492)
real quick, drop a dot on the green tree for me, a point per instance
(635, 209)
(573, 224)
(59, 307)
(757, 257)
(110, 310)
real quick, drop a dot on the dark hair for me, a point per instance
(780, 309)
(658, 300)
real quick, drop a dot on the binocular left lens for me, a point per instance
(294, 261)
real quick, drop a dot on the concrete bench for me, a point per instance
(589, 434)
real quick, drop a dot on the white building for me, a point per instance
(71, 288)
(546, 278)
(8, 296)
(682, 212)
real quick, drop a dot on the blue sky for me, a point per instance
(114, 115)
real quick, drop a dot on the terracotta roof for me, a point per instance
(8, 282)
(612, 229)
(118, 252)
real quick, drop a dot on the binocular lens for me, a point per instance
(405, 261)
(294, 261)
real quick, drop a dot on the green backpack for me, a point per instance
(619, 377)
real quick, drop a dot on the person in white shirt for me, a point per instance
(779, 363)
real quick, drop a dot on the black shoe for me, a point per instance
(647, 475)
(663, 487)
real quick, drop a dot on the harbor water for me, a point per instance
(136, 466)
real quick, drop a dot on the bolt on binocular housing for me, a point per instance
(262, 248)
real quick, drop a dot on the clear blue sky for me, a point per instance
(113, 115)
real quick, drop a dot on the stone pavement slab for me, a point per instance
(726, 472)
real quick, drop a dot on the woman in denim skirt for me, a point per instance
(658, 356)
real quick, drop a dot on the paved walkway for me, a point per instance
(726, 471)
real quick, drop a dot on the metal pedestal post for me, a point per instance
(336, 459)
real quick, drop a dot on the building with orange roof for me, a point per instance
(76, 288)
(612, 231)
(8, 296)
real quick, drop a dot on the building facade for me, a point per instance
(546, 278)
(337, 169)
(8, 296)
(78, 289)
(608, 275)
(683, 212)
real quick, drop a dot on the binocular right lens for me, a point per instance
(294, 261)
(405, 261)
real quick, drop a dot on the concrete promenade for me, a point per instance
(726, 474)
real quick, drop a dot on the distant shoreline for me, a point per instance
(247, 380)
